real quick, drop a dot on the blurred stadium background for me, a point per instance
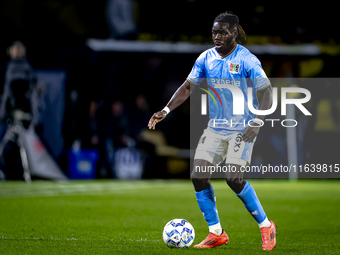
(107, 66)
(101, 69)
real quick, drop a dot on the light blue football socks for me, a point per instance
(207, 203)
(253, 205)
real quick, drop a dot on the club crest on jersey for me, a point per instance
(234, 68)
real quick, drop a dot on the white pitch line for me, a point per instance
(76, 239)
(82, 189)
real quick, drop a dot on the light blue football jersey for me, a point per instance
(238, 68)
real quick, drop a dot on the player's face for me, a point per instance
(223, 36)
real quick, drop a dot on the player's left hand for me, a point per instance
(250, 133)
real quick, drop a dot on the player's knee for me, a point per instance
(235, 183)
(199, 175)
(200, 179)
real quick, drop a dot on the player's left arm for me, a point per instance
(266, 102)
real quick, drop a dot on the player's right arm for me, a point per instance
(178, 98)
(183, 92)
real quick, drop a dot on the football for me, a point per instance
(178, 233)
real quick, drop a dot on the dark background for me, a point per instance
(51, 27)
(55, 33)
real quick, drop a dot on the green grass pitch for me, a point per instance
(127, 217)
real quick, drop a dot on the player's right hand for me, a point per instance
(157, 117)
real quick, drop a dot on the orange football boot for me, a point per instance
(213, 240)
(269, 237)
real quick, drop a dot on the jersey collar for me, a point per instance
(231, 51)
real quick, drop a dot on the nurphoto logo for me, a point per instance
(238, 102)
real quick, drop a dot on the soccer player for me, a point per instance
(230, 141)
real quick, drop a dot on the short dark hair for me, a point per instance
(233, 21)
